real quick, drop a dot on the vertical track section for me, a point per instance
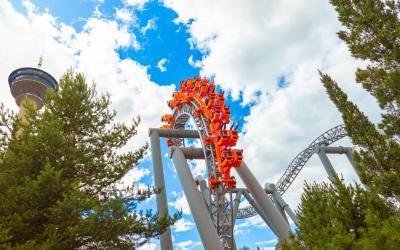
(197, 100)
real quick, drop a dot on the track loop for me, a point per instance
(213, 116)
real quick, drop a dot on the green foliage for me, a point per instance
(335, 216)
(378, 157)
(373, 33)
(58, 172)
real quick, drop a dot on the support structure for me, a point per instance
(197, 193)
(211, 202)
(323, 151)
(205, 226)
(279, 202)
(274, 218)
(326, 162)
(159, 184)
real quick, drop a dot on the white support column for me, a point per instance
(204, 224)
(274, 218)
(278, 199)
(205, 192)
(326, 162)
(236, 203)
(161, 198)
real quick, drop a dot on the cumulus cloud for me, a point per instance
(139, 4)
(187, 245)
(161, 64)
(273, 241)
(248, 225)
(255, 45)
(180, 203)
(150, 25)
(194, 64)
(183, 225)
(125, 15)
(149, 246)
(134, 176)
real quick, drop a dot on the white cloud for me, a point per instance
(248, 225)
(149, 246)
(161, 64)
(180, 203)
(273, 241)
(136, 3)
(133, 176)
(194, 64)
(150, 25)
(125, 15)
(183, 225)
(187, 245)
(253, 45)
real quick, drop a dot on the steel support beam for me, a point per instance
(337, 150)
(161, 197)
(175, 133)
(205, 192)
(278, 199)
(274, 218)
(192, 153)
(204, 224)
(326, 163)
(236, 203)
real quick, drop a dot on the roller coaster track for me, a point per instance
(332, 135)
(198, 100)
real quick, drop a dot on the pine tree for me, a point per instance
(373, 34)
(58, 176)
(336, 216)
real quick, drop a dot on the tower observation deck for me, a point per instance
(31, 83)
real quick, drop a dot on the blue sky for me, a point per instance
(139, 50)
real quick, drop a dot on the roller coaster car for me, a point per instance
(237, 158)
(211, 88)
(166, 126)
(172, 104)
(213, 182)
(218, 108)
(232, 158)
(203, 88)
(220, 97)
(196, 85)
(227, 138)
(167, 118)
(210, 102)
(229, 182)
(198, 112)
(226, 115)
(216, 118)
(214, 127)
(208, 140)
(189, 85)
(170, 142)
(183, 86)
(178, 96)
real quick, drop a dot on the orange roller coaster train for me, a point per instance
(210, 107)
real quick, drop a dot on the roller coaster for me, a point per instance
(214, 203)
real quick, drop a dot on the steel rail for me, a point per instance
(332, 135)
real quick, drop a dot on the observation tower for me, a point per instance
(31, 83)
